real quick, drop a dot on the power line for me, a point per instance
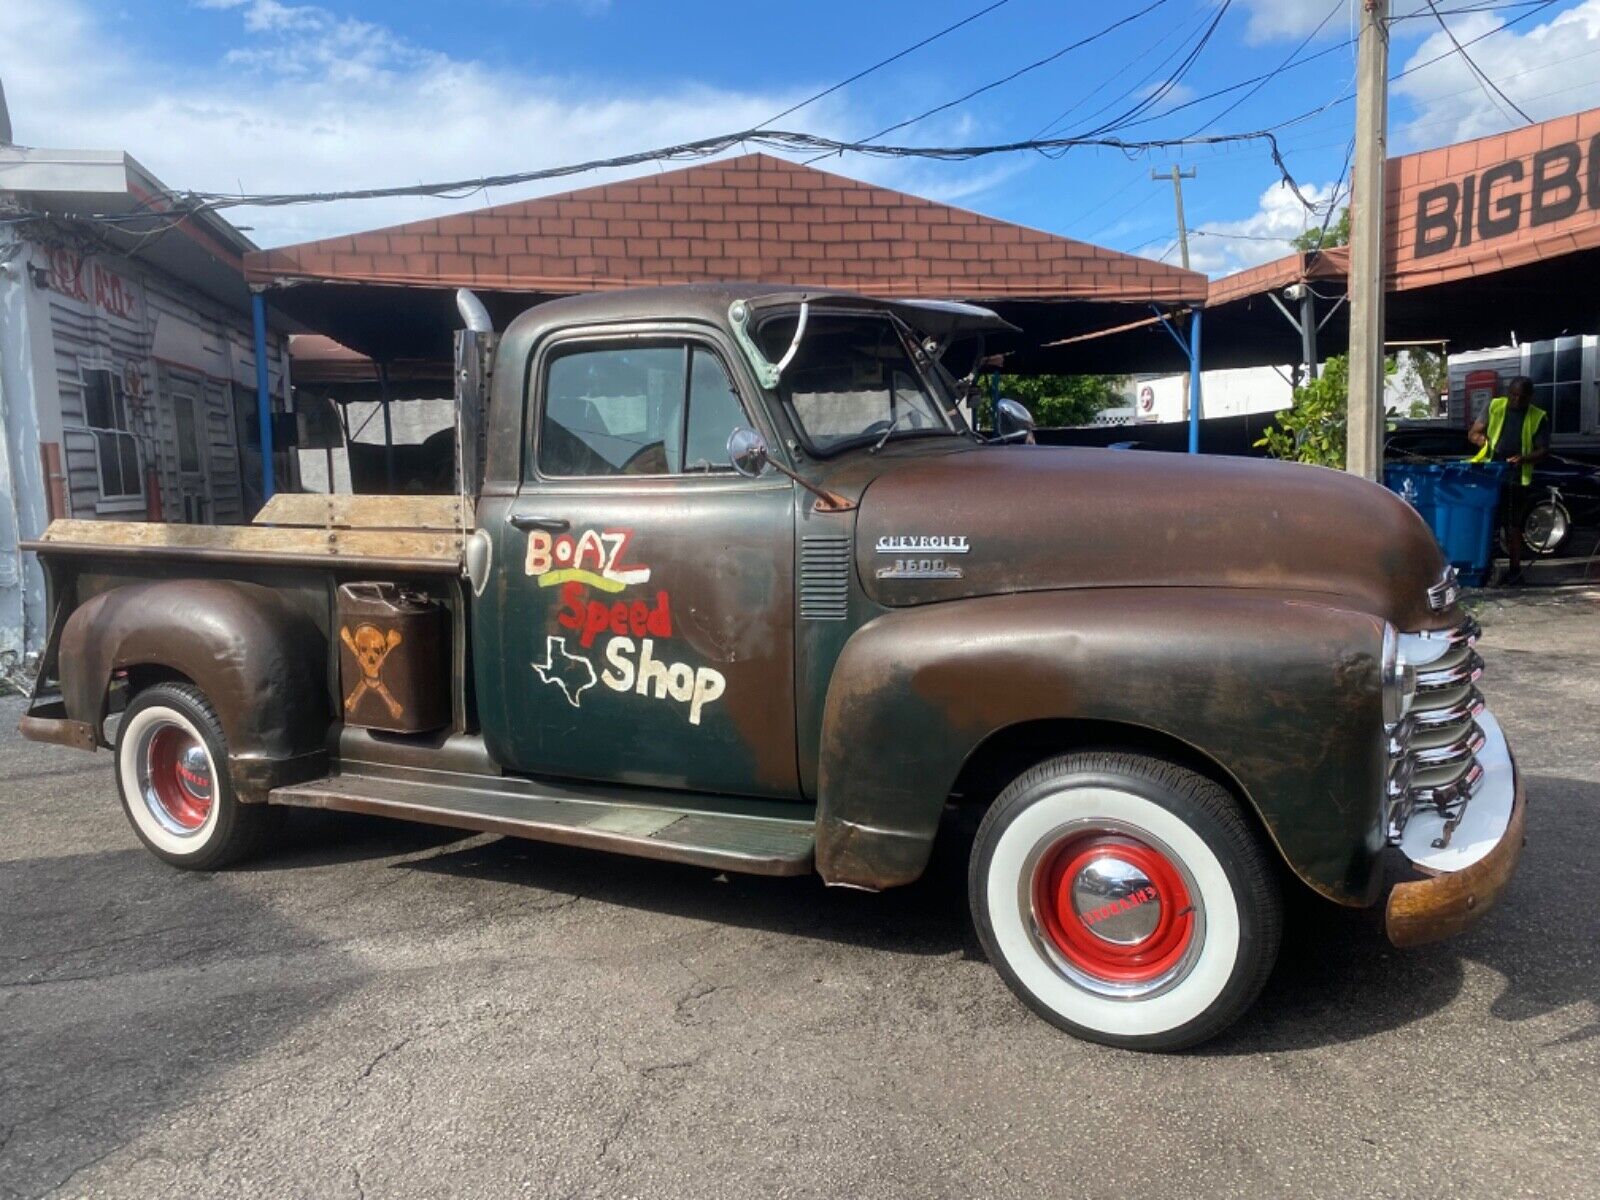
(1535, 7)
(189, 203)
(1172, 81)
(843, 83)
(1490, 87)
(1279, 69)
(1055, 122)
(1237, 237)
(1244, 83)
(1020, 71)
(1461, 46)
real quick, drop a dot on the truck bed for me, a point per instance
(423, 534)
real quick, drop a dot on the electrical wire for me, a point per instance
(1055, 122)
(186, 205)
(1172, 81)
(893, 58)
(1020, 71)
(1244, 83)
(1279, 69)
(195, 201)
(1538, 8)
(1490, 87)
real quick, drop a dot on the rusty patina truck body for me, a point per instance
(740, 588)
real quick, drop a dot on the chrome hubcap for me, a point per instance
(1112, 909)
(174, 778)
(1116, 901)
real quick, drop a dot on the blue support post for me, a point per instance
(1191, 351)
(1194, 382)
(258, 310)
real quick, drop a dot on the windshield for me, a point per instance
(852, 381)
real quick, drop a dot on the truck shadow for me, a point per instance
(927, 917)
(1337, 978)
(314, 837)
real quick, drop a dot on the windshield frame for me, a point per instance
(953, 425)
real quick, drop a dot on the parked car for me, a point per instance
(1564, 495)
(740, 589)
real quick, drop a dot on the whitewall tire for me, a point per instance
(172, 776)
(1125, 899)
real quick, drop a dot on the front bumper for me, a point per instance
(1453, 885)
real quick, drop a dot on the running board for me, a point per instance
(723, 840)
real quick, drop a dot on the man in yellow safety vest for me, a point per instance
(1515, 431)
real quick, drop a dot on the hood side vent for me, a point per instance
(824, 577)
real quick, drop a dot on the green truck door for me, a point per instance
(646, 613)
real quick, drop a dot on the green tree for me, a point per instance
(1313, 429)
(1427, 372)
(1336, 234)
(1060, 399)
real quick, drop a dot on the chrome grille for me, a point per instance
(1433, 750)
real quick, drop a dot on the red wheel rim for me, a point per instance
(179, 774)
(1130, 932)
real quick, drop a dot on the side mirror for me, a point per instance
(747, 451)
(1011, 419)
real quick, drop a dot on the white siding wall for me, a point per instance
(172, 345)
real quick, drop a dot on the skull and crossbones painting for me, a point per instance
(371, 646)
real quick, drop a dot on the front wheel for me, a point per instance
(171, 764)
(1125, 900)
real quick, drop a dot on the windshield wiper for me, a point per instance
(884, 436)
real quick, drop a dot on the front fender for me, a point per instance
(1283, 693)
(260, 661)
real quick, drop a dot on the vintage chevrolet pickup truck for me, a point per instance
(728, 580)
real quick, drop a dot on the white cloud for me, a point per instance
(1547, 69)
(1272, 19)
(307, 99)
(1223, 247)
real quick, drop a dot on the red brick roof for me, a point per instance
(753, 219)
(1332, 264)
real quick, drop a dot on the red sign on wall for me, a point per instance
(92, 282)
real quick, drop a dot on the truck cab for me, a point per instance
(734, 583)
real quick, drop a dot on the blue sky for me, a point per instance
(273, 95)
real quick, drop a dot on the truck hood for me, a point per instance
(999, 519)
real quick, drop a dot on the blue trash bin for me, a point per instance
(1459, 501)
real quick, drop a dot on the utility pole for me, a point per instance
(1364, 455)
(1177, 178)
(1189, 389)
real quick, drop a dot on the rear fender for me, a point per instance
(260, 660)
(1281, 692)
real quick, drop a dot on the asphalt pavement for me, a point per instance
(383, 1010)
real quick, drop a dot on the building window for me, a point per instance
(1556, 368)
(105, 413)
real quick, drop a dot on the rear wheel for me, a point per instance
(171, 765)
(1545, 527)
(1125, 899)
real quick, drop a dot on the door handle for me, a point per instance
(548, 524)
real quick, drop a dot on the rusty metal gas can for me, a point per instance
(394, 648)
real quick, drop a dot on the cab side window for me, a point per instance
(636, 410)
(714, 413)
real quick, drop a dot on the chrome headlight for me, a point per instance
(1446, 592)
(1399, 679)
